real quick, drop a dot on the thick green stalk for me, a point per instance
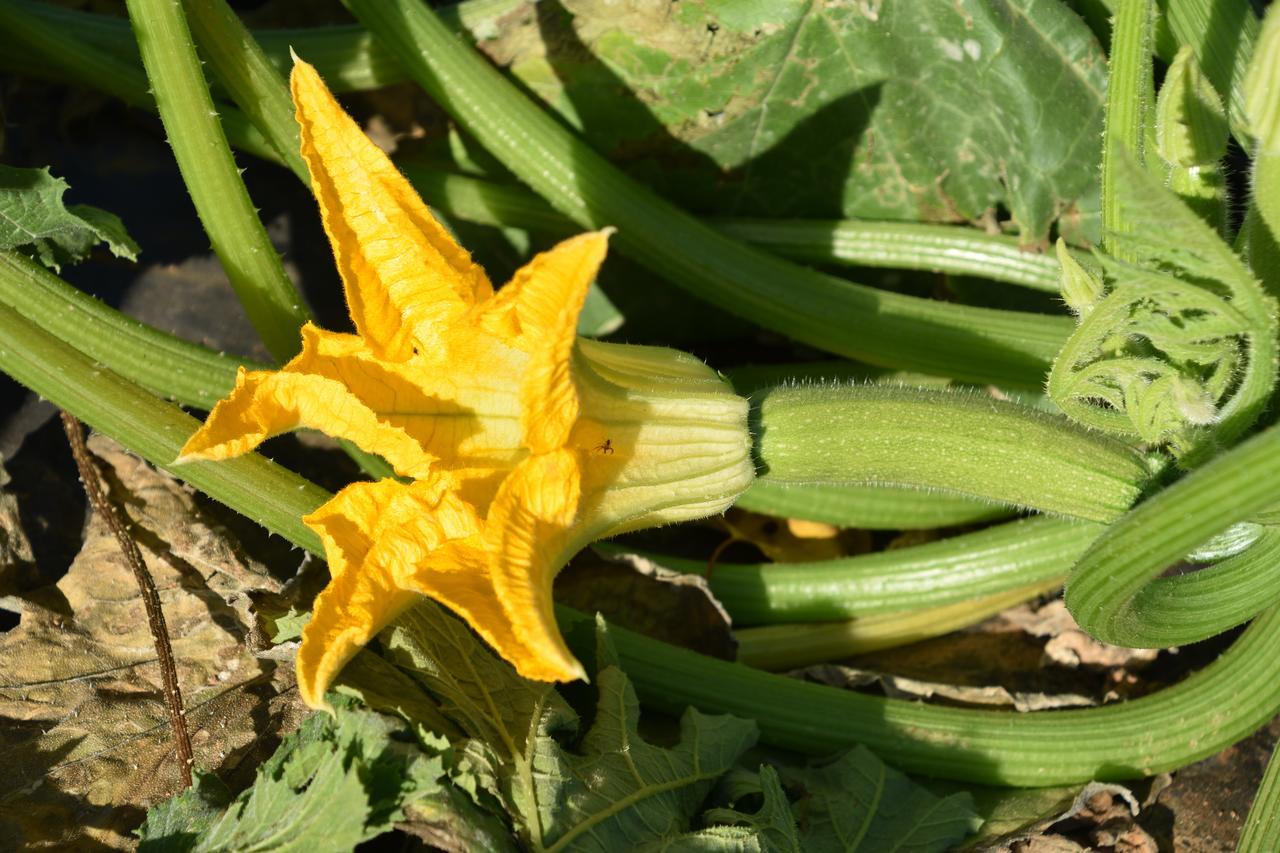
(976, 344)
(246, 72)
(951, 571)
(270, 300)
(68, 56)
(1262, 826)
(1189, 721)
(896, 245)
(868, 507)
(957, 442)
(1142, 737)
(1262, 106)
(152, 428)
(1115, 591)
(776, 647)
(164, 364)
(1128, 100)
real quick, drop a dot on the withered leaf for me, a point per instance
(84, 732)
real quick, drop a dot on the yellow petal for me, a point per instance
(404, 275)
(349, 613)
(527, 534)
(373, 534)
(459, 403)
(266, 404)
(547, 296)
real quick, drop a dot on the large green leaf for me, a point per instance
(608, 789)
(887, 109)
(854, 803)
(617, 791)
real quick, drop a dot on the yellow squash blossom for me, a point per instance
(521, 442)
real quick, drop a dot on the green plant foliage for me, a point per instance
(851, 803)
(515, 756)
(771, 827)
(1191, 138)
(336, 782)
(34, 219)
(519, 751)
(614, 791)
(803, 108)
(1182, 346)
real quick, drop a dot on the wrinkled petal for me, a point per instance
(461, 407)
(547, 296)
(373, 534)
(349, 613)
(265, 404)
(404, 275)
(528, 531)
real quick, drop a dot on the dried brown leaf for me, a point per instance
(84, 732)
(985, 696)
(17, 561)
(1070, 646)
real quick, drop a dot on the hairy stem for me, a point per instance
(106, 509)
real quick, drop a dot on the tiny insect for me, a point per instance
(605, 448)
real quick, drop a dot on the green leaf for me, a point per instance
(857, 802)
(618, 791)
(770, 828)
(480, 693)
(852, 803)
(336, 782)
(34, 219)
(175, 825)
(612, 790)
(1182, 348)
(801, 108)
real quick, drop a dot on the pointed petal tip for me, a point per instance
(314, 701)
(577, 673)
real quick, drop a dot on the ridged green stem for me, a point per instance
(25, 27)
(1262, 827)
(953, 570)
(1142, 737)
(1179, 725)
(251, 484)
(273, 305)
(868, 507)
(164, 364)
(976, 344)
(958, 442)
(1261, 228)
(776, 647)
(1262, 105)
(248, 75)
(1115, 591)
(896, 245)
(1128, 100)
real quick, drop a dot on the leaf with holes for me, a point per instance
(883, 109)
